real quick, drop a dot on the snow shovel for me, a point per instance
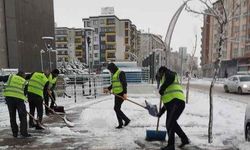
(59, 109)
(67, 95)
(152, 109)
(68, 123)
(38, 124)
(152, 135)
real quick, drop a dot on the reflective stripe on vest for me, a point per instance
(15, 87)
(116, 84)
(173, 91)
(37, 83)
(51, 80)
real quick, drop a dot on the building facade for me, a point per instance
(22, 26)
(148, 44)
(237, 33)
(112, 39)
(69, 44)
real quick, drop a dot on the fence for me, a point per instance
(91, 85)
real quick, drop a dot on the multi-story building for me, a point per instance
(237, 44)
(148, 44)
(112, 39)
(69, 44)
(22, 26)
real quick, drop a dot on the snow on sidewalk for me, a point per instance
(95, 122)
(100, 120)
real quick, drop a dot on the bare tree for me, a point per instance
(190, 67)
(218, 11)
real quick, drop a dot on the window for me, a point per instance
(96, 30)
(78, 40)
(126, 32)
(95, 22)
(110, 47)
(96, 54)
(110, 21)
(103, 47)
(101, 21)
(96, 47)
(110, 38)
(126, 40)
(111, 55)
(235, 79)
(126, 24)
(103, 38)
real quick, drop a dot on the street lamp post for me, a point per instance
(48, 48)
(87, 45)
(41, 55)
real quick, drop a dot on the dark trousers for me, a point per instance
(120, 115)
(35, 102)
(14, 105)
(46, 100)
(174, 110)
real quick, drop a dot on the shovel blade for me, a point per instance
(59, 109)
(68, 123)
(152, 109)
(153, 135)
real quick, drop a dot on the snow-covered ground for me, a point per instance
(95, 122)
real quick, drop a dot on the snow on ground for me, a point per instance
(228, 122)
(97, 121)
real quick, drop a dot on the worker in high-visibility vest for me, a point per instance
(14, 92)
(174, 102)
(52, 77)
(37, 88)
(118, 87)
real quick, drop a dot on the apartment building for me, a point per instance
(112, 39)
(237, 33)
(69, 44)
(148, 44)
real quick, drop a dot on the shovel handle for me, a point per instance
(130, 101)
(158, 120)
(52, 98)
(53, 111)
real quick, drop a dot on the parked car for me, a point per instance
(237, 83)
(247, 123)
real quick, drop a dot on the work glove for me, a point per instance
(163, 109)
(159, 115)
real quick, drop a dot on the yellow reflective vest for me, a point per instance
(116, 84)
(15, 87)
(51, 80)
(172, 91)
(37, 83)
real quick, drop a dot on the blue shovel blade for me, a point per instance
(153, 135)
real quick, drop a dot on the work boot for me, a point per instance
(119, 127)
(32, 125)
(183, 143)
(25, 135)
(15, 135)
(127, 122)
(169, 147)
(39, 127)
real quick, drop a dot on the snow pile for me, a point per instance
(62, 131)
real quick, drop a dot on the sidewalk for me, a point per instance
(95, 124)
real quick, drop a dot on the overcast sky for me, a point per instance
(148, 15)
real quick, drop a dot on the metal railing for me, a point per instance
(92, 85)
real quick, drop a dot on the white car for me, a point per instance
(247, 123)
(237, 83)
